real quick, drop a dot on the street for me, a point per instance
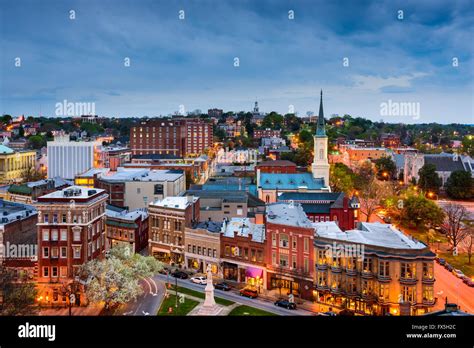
(149, 302)
(448, 285)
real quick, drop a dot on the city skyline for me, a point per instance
(363, 55)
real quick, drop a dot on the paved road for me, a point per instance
(259, 303)
(149, 302)
(447, 284)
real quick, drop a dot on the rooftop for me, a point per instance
(11, 211)
(124, 214)
(291, 214)
(277, 163)
(139, 174)
(211, 226)
(175, 202)
(73, 192)
(5, 150)
(269, 181)
(244, 227)
(372, 234)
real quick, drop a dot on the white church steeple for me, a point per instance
(320, 166)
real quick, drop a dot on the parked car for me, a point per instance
(448, 267)
(441, 261)
(250, 293)
(285, 304)
(469, 282)
(387, 219)
(199, 280)
(223, 286)
(180, 275)
(458, 273)
(328, 314)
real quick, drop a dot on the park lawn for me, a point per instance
(198, 294)
(423, 236)
(460, 262)
(250, 311)
(182, 310)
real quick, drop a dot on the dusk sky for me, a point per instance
(283, 61)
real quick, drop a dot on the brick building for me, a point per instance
(289, 253)
(203, 247)
(179, 137)
(326, 206)
(266, 133)
(168, 219)
(278, 166)
(127, 227)
(71, 231)
(243, 252)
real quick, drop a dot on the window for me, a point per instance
(246, 253)
(77, 252)
(306, 265)
(253, 255)
(274, 258)
(77, 236)
(427, 270)
(63, 272)
(283, 260)
(199, 250)
(383, 291)
(293, 261)
(54, 252)
(274, 241)
(55, 218)
(283, 240)
(54, 271)
(189, 248)
(194, 249)
(367, 265)
(54, 235)
(45, 272)
(294, 242)
(64, 235)
(428, 293)
(259, 256)
(306, 244)
(384, 268)
(45, 235)
(45, 252)
(407, 270)
(63, 218)
(139, 190)
(46, 218)
(214, 253)
(63, 252)
(408, 293)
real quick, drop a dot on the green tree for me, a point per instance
(19, 294)
(460, 185)
(305, 137)
(6, 119)
(386, 168)
(37, 141)
(420, 212)
(341, 178)
(273, 121)
(429, 179)
(115, 280)
(468, 145)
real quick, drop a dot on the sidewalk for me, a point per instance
(90, 310)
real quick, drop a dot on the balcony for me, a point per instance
(366, 274)
(336, 269)
(322, 287)
(384, 278)
(428, 302)
(351, 271)
(369, 297)
(336, 290)
(321, 266)
(408, 280)
(428, 279)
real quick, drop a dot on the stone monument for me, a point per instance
(209, 307)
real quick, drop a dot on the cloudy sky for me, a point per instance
(283, 62)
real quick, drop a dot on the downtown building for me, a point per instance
(128, 228)
(68, 158)
(168, 220)
(374, 269)
(179, 137)
(70, 231)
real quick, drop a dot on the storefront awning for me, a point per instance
(253, 272)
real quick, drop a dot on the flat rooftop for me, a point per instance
(175, 202)
(74, 192)
(244, 227)
(138, 174)
(11, 211)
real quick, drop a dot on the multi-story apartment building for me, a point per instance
(266, 133)
(128, 228)
(289, 253)
(215, 112)
(243, 252)
(203, 247)
(14, 164)
(68, 158)
(179, 137)
(168, 219)
(71, 231)
(375, 269)
(136, 188)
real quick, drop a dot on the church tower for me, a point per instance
(320, 166)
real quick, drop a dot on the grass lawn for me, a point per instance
(251, 311)
(460, 262)
(198, 294)
(183, 308)
(423, 237)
